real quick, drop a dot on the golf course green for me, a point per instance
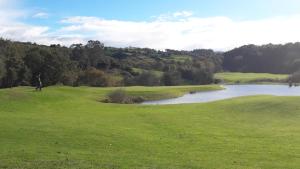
(65, 127)
(237, 77)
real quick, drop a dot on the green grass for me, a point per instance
(64, 127)
(165, 92)
(156, 72)
(250, 77)
(180, 58)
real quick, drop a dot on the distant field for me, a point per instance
(65, 127)
(250, 77)
(158, 73)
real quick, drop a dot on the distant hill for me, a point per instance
(94, 64)
(279, 59)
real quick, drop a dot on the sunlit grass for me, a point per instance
(64, 127)
(250, 77)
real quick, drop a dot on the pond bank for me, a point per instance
(231, 91)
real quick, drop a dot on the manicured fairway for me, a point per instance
(250, 77)
(64, 127)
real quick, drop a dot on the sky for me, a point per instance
(160, 24)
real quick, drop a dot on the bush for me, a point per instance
(119, 96)
(218, 81)
(197, 76)
(295, 77)
(148, 79)
(122, 97)
(93, 77)
(138, 99)
(2, 68)
(97, 78)
(172, 78)
(70, 78)
(268, 80)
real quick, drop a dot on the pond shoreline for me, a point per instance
(231, 91)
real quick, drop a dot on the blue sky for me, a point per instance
(179, 24)
(141, 10)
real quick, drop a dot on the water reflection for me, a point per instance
(231, 91)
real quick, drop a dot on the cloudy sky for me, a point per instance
(159, 24)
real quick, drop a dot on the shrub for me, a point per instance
(295, 77)
(94, 77)
(70, 78)
(119, 96)
(122, 97)
(197, 76)
(268, 80)
(172, 78)
(148, 79)
(97, 78)
(218, 81)
(138, 99)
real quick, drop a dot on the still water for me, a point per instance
(231, 91)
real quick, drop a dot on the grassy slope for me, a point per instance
(165, 92)
(158, 73)
(64, 127)
(249, 77)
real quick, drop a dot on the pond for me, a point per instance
(231, 91)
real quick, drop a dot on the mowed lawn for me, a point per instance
(231, 77)
(64, 127)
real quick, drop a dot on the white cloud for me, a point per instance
(173, 16)
(41, 15)
(220, 33)
(12, 28)
(180, 30)
(183, 14)
(6, 3)
(8, 11)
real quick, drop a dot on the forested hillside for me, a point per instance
(94, 64)
(278, 59)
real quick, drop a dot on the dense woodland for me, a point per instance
(94, 64)
(278, 59)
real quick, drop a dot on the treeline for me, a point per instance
(93, 64)
(278, 59)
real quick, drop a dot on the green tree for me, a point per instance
(94, 77)
(2, 68)
(14, 64)
(148, 78)
(172, 78)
